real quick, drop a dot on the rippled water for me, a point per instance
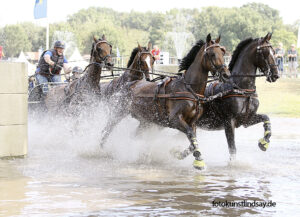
(66, 173)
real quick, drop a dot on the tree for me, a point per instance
(15, 40)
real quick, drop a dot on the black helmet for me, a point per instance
(59, 44)
(77, 69)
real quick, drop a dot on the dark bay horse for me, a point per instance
(80, 90)
(176, 103)
(140, 63)
(240, 106)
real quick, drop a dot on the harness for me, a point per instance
(102, 59)
(266, 70)
(215, 69)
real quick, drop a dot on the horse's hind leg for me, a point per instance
(193, 148)
(229, 127)
(264, 142)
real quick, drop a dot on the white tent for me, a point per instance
(76, 59)
(31, 67)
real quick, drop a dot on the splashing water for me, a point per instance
(66, 173)
(180, 35)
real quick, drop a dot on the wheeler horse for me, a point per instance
(176, 102)
(239, 107)
(82, 90)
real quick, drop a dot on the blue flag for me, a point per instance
(40, 9)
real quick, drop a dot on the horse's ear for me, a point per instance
(218, 39)
(267, 37)
(149, 46)
(208, 38)
(95, 39)
(139, 46)
(103, 37)
(270, 36)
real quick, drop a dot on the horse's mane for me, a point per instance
(133, 53)
(189, 58)
(238, 50)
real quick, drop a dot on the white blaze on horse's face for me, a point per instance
(271, 53)
(147, 60)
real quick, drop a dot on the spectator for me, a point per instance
(292, 55)
(279, 53)
(155, 52)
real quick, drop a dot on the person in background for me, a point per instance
(279, 54)
(155, 52)
(76, 74)
(292, 55)
(50, 65)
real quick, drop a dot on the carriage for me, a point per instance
(179, 101)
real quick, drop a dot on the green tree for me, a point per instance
(15, 40)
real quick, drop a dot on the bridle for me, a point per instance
(139, 62)
(266, 69)
(215, 69)
(102, 59)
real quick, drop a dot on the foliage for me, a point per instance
(124, 29)
(14, 39)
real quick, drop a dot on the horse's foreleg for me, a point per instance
(190, 132)
(229, 126)
(264, 142)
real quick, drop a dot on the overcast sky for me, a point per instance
(14, 11)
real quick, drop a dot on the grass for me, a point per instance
(281, 98)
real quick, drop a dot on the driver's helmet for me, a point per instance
(77, 70)
(59, 44)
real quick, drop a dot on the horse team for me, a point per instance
(183, 102)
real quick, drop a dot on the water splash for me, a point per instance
(180, 35)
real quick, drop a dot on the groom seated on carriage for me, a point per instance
(76, 74)
(50, 65)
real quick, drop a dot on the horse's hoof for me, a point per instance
(263, 144)
(199, 164)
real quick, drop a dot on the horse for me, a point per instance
(239, 107)
(85, 88)
(140, 63)
(176, 102)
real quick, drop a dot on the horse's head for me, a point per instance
(144, 60)
(265, 59)
(101, 52)
(214, 58)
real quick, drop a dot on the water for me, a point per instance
(182, 38)
(67, 174)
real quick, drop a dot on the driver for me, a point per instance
(51, 63)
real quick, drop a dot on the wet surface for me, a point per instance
(67, 174)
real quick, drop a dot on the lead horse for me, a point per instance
(240, 106)
(71, 96)
(176, 103)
